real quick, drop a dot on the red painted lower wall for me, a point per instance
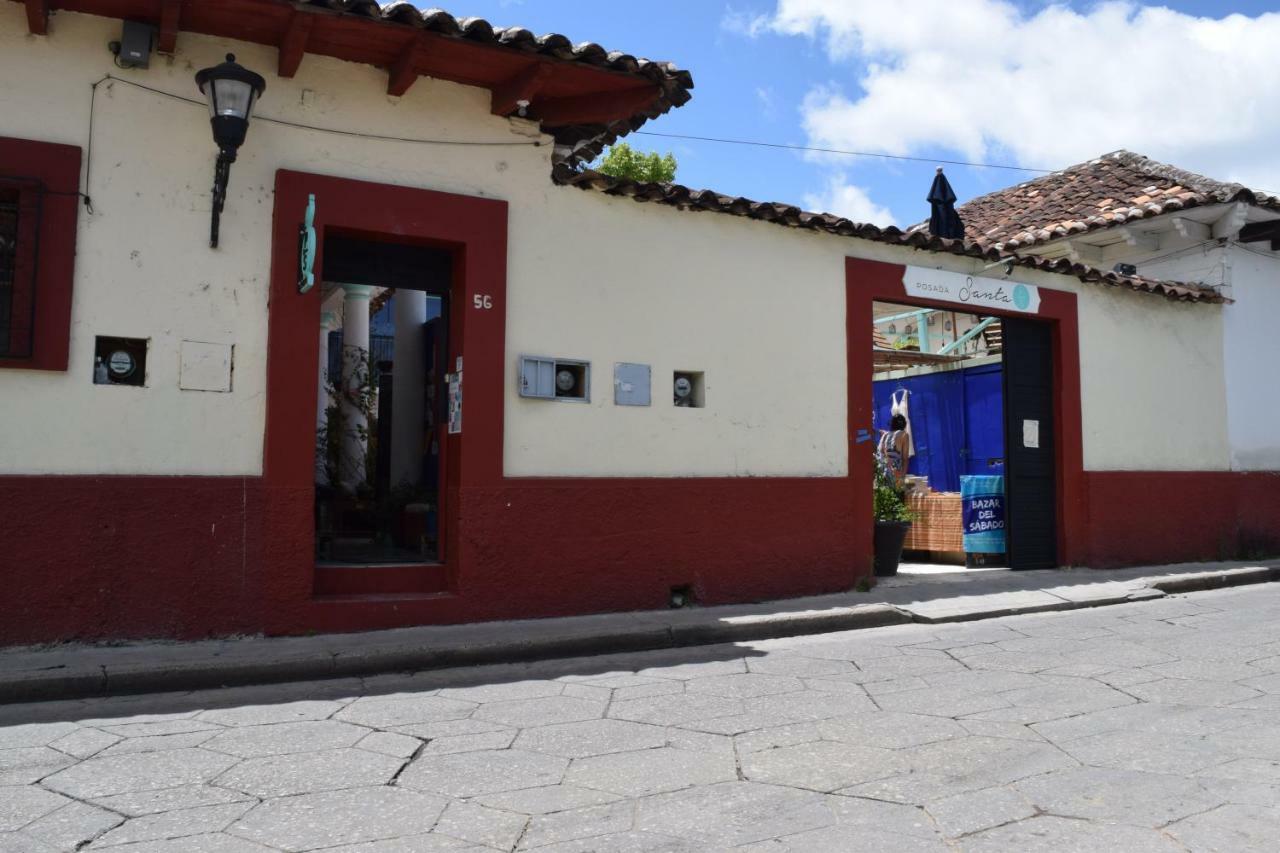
(105, 557)
(1139, 517)
(189, 557)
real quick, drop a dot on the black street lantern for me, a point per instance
(231, 90)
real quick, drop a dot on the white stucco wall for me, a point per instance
(758, 307)
(1252, 354)
(1152, 394)
(143, 266)
(1250, 275)
(761, 309)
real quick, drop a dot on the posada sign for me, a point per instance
(971, 290)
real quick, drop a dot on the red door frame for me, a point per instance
(474, 230)
(871, 281)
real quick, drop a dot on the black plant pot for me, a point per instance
(889, 537)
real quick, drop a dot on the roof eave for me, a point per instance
(684, 198)
(583, 95)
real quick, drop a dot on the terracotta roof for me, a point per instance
(685, 198)
(1114, 189)
(583, 142)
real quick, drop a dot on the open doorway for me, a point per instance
(381, 411)
(977, 395)
(943, 370)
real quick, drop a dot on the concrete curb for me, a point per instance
(61, 683)
(1217, 580)
(997, 612)
(972, 615)
(48, 675)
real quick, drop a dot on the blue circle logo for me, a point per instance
(1021, 297)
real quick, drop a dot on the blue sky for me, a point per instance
(1024, 83)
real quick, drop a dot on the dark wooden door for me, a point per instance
(1031, 511)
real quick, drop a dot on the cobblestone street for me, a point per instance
(1151, 726)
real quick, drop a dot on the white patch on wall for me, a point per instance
(205, 367)
(1031, 434)
(631, 384)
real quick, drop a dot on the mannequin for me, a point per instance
(898, 406)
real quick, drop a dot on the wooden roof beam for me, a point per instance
(1144, 241)
(1230, 222)
(506, 97)
(38, 17)
(594, 108)
(404, 71)
(1190, 229)
(1256, 232)
(1084, 253)
(293, 43)
(170, 23)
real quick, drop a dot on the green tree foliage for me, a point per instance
(623, 161)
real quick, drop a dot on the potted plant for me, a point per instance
(893, 520)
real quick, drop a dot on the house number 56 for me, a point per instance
(483, 300)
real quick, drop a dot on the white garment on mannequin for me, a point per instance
(899, 407)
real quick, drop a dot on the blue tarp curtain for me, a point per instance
(957, 418)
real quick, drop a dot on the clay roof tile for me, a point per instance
(575, 144)
(682, 197)
(1087, 197)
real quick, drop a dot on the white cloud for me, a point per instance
(768, 102)
(1047, 89)
(845, 199)
(746, 24)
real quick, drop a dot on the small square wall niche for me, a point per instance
(688, 389)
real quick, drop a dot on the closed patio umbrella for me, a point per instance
(943, 219)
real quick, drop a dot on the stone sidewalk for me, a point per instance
(77, 670)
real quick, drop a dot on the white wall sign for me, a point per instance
(1031, 434)
(204, 367)
(971, 290)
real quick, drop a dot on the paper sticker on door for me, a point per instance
(455, 402)
(1031, 434)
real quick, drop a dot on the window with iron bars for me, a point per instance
(19, 233)
(8, 260)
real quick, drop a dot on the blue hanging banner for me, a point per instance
(982, 512)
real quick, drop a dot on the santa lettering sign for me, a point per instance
(971, 290)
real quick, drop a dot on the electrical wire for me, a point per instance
(88, 154)
(1272, 255)
(1203, 247)
(1199, 246)
(787, 147)
(528, 143)
(532, 143)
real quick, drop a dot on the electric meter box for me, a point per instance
(689, 389)
(631, 384)
(119, 361)
(544, 378)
